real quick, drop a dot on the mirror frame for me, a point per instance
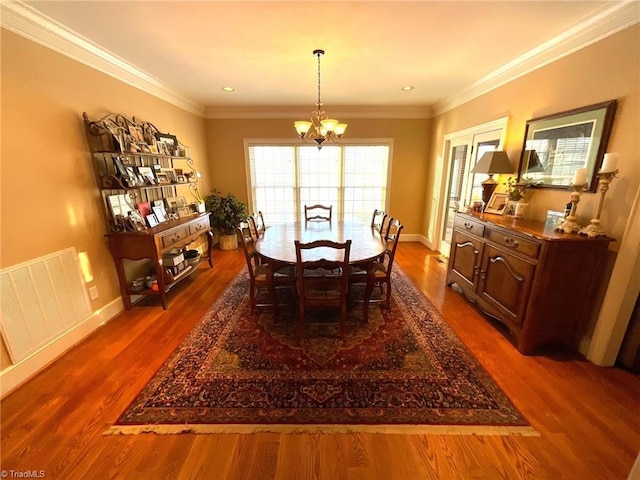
(594, 121)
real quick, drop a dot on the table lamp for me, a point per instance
(492, 163)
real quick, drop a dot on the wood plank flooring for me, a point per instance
(587, 415)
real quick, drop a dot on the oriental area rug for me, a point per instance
(404, 371)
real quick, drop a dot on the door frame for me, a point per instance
(442, 174)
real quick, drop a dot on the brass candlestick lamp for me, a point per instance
(607, 173)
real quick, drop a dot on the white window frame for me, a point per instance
(249, 142)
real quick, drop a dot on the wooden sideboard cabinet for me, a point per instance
(539, 283)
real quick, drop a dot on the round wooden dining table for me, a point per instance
(277, 246)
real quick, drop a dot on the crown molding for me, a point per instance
(609, 21)
(297, 112)
(26, 21)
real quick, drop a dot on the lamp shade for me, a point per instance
(493, 162)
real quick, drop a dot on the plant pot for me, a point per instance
(228, 242)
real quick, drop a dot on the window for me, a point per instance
(284, 178)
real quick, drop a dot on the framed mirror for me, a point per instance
(555, 146)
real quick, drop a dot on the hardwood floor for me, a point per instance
(587, 416)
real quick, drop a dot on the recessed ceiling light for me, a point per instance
(408, 88)
(228, 89)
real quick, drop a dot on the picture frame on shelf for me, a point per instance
(160, 214)
(152, 221)
(556, 145)
(162, 178)
(170, 142)
(147, 173)
(171, 174)
(120, 206)
(184, 211)
(181, 179)
(144, 208)
(497, 203)
(175, 202)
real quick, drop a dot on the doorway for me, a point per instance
(460, 186)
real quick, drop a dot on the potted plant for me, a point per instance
(517, 193)
(226, 214)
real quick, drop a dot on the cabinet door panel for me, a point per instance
(505, 283)
(465, 258)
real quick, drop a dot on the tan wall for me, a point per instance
(49, 199)
(409, 169)
(609, 69)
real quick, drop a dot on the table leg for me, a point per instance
(271, 286)
(368, 290)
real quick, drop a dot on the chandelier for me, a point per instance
(321, 128)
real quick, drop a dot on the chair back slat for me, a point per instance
(316, 213)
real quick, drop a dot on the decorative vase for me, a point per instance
(228, 242)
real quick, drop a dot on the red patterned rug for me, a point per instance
(405, 371)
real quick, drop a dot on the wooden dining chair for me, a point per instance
(317, 213)
(384, 226)
(382, 267)
(258, 220)
(322, 282)
(377, 221)
(259, 273)
(253, 228)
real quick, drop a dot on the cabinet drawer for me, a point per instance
(515, 243)
(174, 237)
(199, 226)
(470, 226)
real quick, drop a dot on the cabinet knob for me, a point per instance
(468, 226)
(511, 242)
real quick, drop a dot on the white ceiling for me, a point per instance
(264, 49)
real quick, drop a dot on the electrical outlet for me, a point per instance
(93, 293)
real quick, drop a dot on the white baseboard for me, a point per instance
(15, 375)
(415, 237)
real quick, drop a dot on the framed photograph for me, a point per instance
(181, 179)
(120, 205)
(160, 214)
(152, 221)
(171, 174)
(555, 146)
(162, 178)
(170, 143)
(175, 202)
(184, 211)
(497, 203)
(147, 173)
(144, 208)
